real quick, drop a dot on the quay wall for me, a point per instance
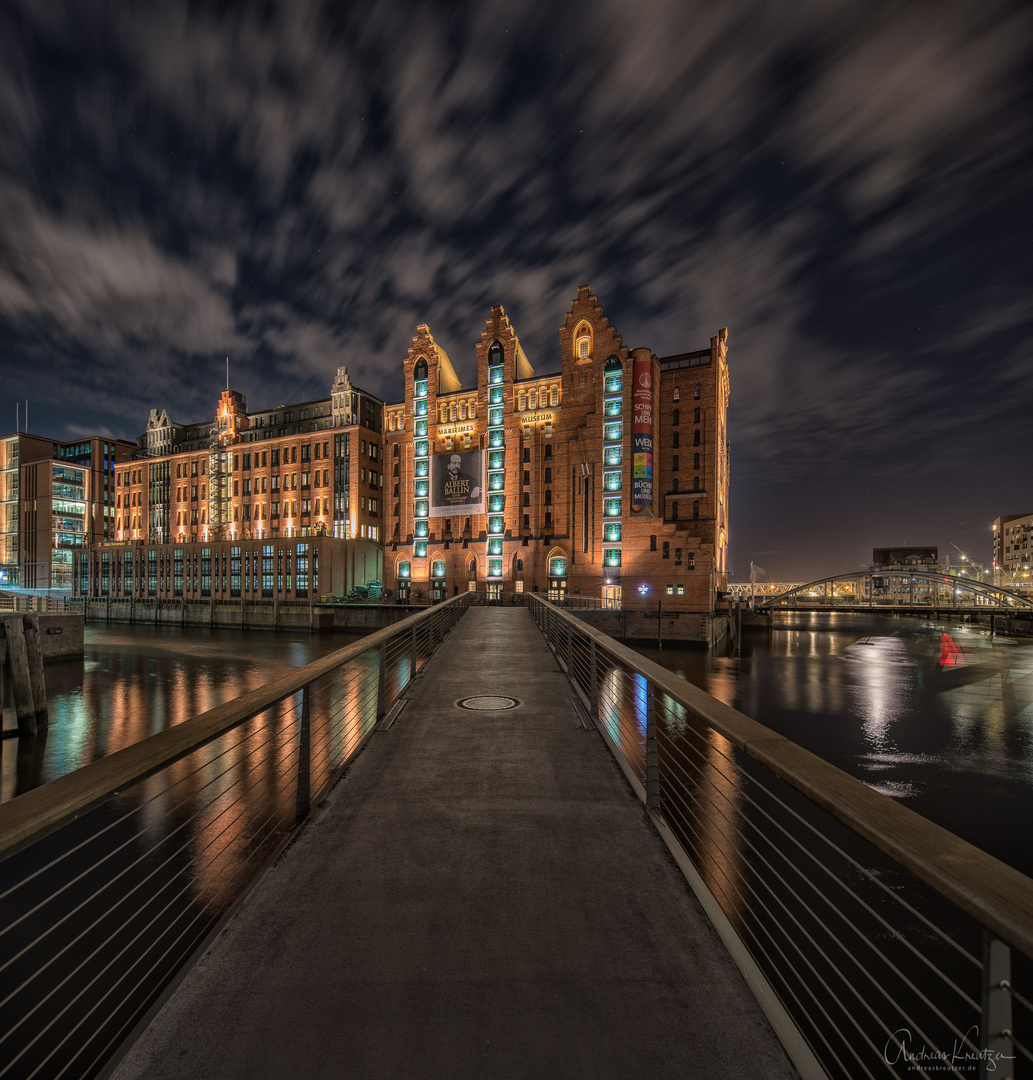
(244, 614)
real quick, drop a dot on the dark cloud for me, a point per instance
(297, 186)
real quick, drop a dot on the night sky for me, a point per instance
(847, 186)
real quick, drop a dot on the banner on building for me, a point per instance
(642, 432)
(457, 483)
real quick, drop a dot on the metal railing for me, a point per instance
(115, 875)
(878, 943)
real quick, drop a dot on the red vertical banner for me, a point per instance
(642, 430)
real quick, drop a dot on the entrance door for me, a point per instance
(494, 592)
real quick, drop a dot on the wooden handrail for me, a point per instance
(997, 895)
(42, 810)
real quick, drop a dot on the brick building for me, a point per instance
(225, 507)
(607, 477)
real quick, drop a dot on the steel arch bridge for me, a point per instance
(891, 589)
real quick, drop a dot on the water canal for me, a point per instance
(943, 724)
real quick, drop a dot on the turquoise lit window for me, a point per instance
(611, 556)
(421, 528)
(422, 489)
(497, 460)
(558, 566)
(495, 546)
(611, 508)
(613, 406)
(437, 568)
(419, 389)
(421, 407)
(404, 570)
(421, 427)
(612, 455)
(494, 568)
(421, 508)
(496, 481)
(423, 467)
(611, 481)
(422, 448)
(612, 531)
(419, 549)
(612, 431)
(495, 375)
(494, 416)
(496, 503)
(495, 395)
(496, 437)
(496, 525)
(613, 383)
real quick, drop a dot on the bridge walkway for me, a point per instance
(481, 896)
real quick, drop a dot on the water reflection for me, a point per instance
(937, 715)
(135, 681)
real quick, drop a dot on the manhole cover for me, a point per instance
(487, 704)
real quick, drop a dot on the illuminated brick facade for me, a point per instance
(561, 509)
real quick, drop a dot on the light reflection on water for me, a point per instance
(135, 681)
(944, 726)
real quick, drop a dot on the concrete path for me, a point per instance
(480, 897)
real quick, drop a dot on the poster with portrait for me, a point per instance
(457, 483)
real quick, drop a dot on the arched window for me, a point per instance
(420, 371)
(437, 568)
(404, 570)
(583, 342)
(523, 401)
(453, 414)
(532, 399)
(558, 566)
(555, 396)
(462, 410)
(472, 568)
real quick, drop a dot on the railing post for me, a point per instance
(652, 766)
(382, 684)
(304, 754)
(593, 693)
(996, 1024)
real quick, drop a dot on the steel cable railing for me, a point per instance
(879, 944)
(114, 876)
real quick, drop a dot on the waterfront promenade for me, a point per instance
(481, 896)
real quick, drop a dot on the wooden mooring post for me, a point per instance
(24, 660)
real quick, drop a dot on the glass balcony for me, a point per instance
(421, 427)
(496, 437)
(495, 546)
(496, 525)
(422, 448)
(613, 384)
(613, 455)
(495, 395)
(496, 481)
(422, 489)
(611, 481)
(419, 549)
(419, 389)
(420, 407)
(495, 375)
(494, 568)
(423, 467)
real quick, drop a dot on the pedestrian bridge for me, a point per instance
(483, 893)
(890, 589)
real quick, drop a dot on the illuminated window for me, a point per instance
(558, 566)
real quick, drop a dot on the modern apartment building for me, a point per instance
(1013, 540)
(56, 498)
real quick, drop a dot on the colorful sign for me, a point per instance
(456, 483)
(642, 432)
